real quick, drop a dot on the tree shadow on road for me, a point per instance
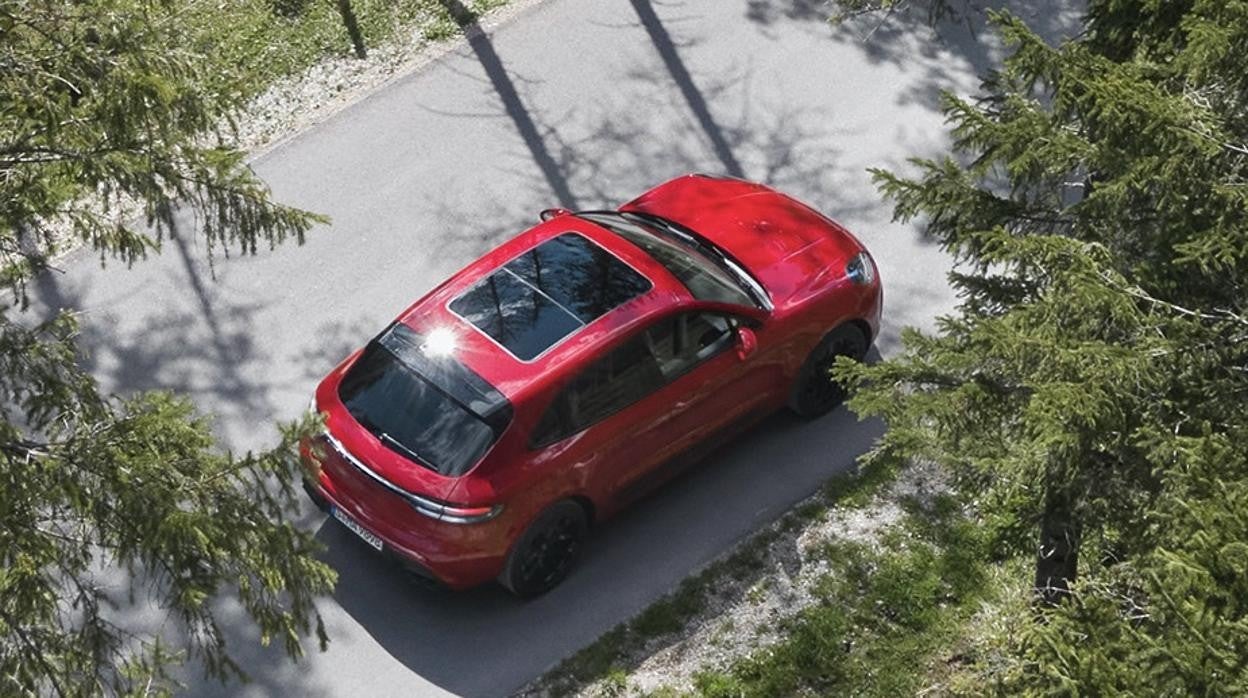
(667, 50)
(197, 339)
(660, 121)
(940, 55)
(198, 343)
(515, 107)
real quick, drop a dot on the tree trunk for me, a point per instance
(353, 28)
(1057, 558)
(460, 13)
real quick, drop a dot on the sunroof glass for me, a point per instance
(539, 298)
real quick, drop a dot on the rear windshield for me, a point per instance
(441, 418)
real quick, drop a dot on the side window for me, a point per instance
(608, 386)
(684, 341)
(642, 365)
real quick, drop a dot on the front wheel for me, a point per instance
(815, 393)
(546, 551)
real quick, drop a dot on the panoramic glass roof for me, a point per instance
(531, 303)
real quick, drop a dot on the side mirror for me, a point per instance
(553, 213)
(747, 343)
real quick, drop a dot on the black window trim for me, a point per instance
(503, 267)
(734, 322)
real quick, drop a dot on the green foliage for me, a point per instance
(112, 102)
(1092, 385)
(858, 488)
(103, 104)
(106, 502)
(108, 107)
(94, 487)
(1174, 619)
(669, 614)
(614, 684)
(251, 43)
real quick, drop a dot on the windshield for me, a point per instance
(705, 270)
(401, 405)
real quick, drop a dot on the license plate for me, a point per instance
(368, 536)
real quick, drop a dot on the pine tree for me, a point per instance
(1092, 387)
(102, 108)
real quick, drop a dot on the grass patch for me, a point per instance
(670, 613)
(249, 44)
(883, 617)
(854, 490)
(615, 684)
(604, 659)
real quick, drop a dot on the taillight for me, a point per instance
(451, 513)
(312, 453)
(434, 509)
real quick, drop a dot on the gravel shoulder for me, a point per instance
(293, 105)
(743, 598)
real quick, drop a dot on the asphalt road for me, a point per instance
(581, 103)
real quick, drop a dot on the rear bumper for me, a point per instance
(462, 559)
(410, 564)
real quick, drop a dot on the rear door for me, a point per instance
(593, 425)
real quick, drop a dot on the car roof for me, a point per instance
(514, 376)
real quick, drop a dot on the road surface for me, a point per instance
(579, 103)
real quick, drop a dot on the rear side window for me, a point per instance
(443, 417)
(652, 359)
(611, 384)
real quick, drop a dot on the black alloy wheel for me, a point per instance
(546, 551)
(815, 392)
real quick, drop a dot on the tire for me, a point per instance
(546, 551)
(814, 392)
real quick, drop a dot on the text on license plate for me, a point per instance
(368, 536)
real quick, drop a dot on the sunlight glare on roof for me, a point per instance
(440, 342)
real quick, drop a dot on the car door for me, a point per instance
(591, 422)
(664, 390)
(708, 386)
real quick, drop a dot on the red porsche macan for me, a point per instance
(577, 366)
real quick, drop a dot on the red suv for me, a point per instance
(578, 365)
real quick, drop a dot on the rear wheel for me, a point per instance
(815, 393)
(546, 551)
